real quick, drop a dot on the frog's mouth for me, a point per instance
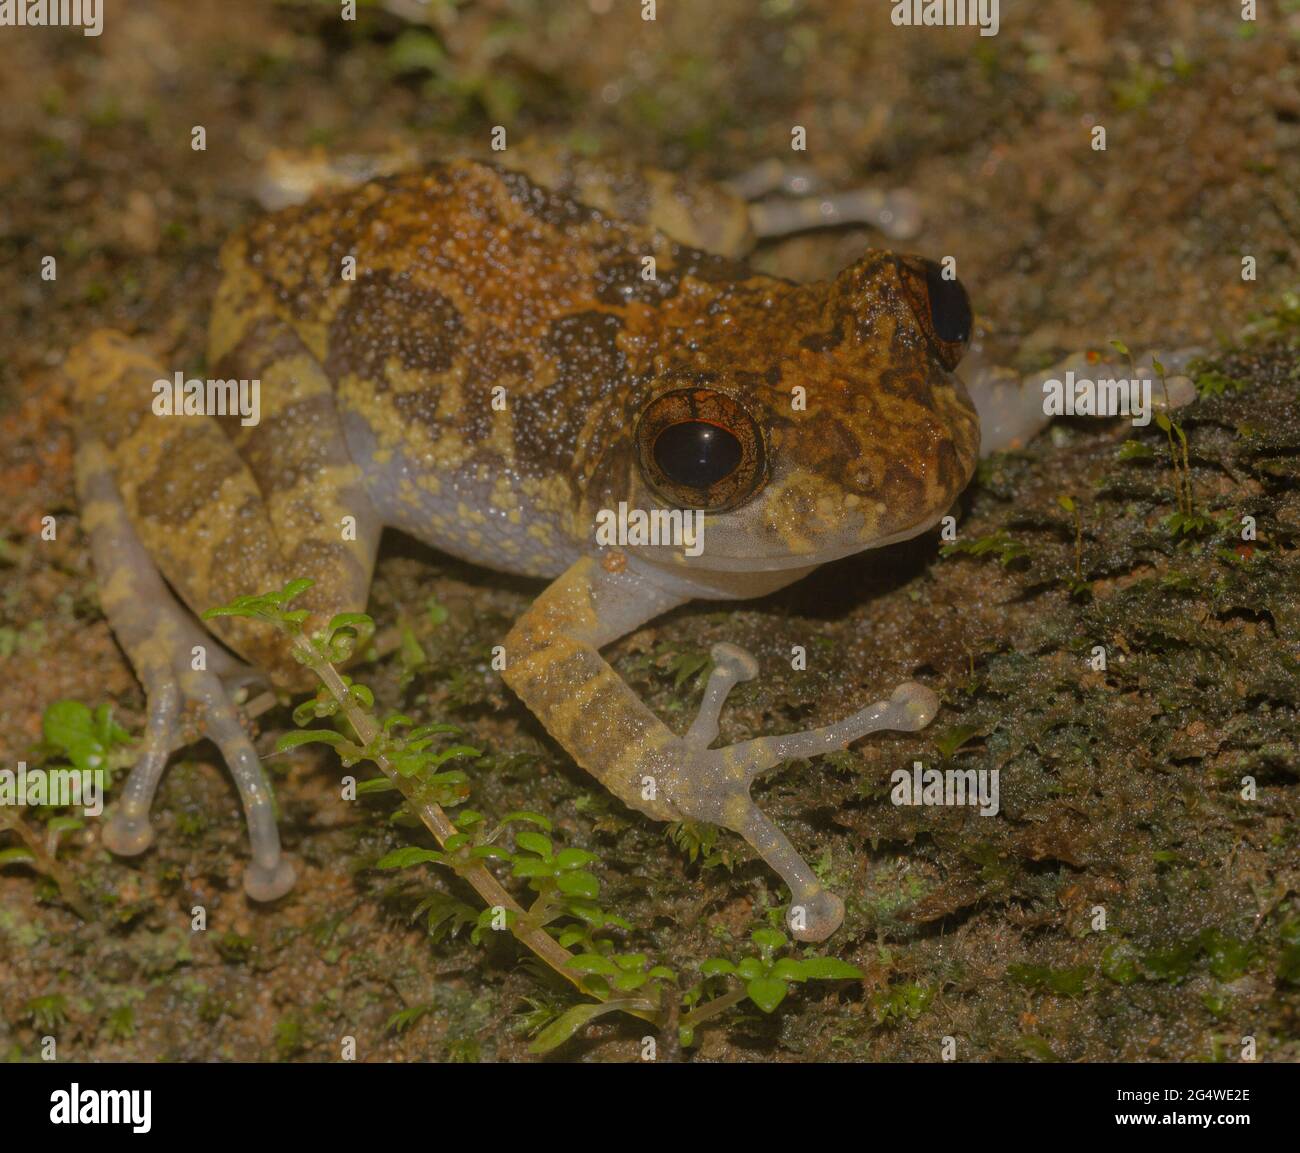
(731, 552)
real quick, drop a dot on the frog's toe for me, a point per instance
(269, 882)
(731, 666)
(818, 918)
(127, 834)
(269, 876)
(916, 705)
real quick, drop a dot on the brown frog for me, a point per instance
(501, 370)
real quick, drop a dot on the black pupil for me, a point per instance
(949, 305)
(696, 454)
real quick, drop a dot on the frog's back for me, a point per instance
(487, 342)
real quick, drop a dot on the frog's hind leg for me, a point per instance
(786, 198)
(161, 637)
(172, 501)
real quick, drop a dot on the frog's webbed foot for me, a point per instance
(715, 782)
(160, 636)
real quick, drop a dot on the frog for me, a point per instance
(489, 358)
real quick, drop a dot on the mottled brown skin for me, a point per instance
(469, 279)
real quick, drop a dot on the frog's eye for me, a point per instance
(941, 305)
(700, 449)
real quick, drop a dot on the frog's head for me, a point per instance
(846, 430)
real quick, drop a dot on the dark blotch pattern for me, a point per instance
(385, 316)
(589, 365)
(173, 496)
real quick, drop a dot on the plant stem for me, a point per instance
(45, 862)
(439, 824)
(712, 1008)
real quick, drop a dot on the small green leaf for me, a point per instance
(405, 857)
(15, 855)
(524, 815)
(567, 859)
(716, 967)
(593, 963)
(70, 727)
(294, 740)
(565, 1026)
(375, 785)
(292, 591)
(485, 852)
(579, 884)
(453, 752)
(535, 843)
(787, 969)
(769, 939)
(828, 969)
(357, 622)
(950, 740)
(628, 982)
(766, 993)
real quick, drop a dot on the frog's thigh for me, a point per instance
(322, 520)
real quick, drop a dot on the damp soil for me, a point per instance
(1131, 675)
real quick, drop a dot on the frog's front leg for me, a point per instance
(1011, 406)
(553, 663)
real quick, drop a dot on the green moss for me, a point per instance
(1067, 982)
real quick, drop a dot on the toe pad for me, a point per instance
(269, 884)
(125, 835)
